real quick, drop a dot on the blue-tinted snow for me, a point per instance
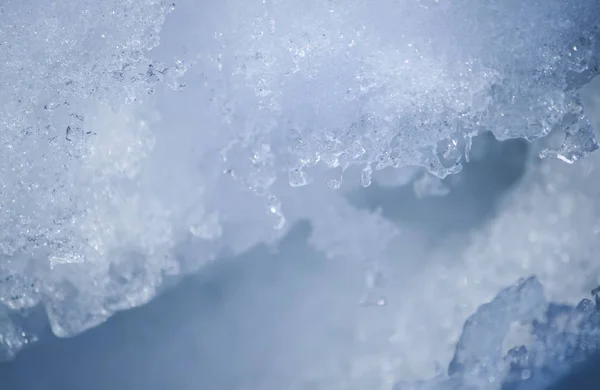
(252, 323)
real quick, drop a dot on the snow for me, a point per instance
(127, 163)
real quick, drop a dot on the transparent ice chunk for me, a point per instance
(479, 353)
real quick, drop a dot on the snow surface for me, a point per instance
(113, 185)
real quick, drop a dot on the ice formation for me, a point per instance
(553, 339)
(109, 181)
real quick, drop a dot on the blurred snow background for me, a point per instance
(367, 287)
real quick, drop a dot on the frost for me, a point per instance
(413, 100)
(62, 215)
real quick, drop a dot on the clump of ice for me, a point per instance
(57, 206)
(101, 199)
(479, 356)
(521, 339)
(393, 84)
